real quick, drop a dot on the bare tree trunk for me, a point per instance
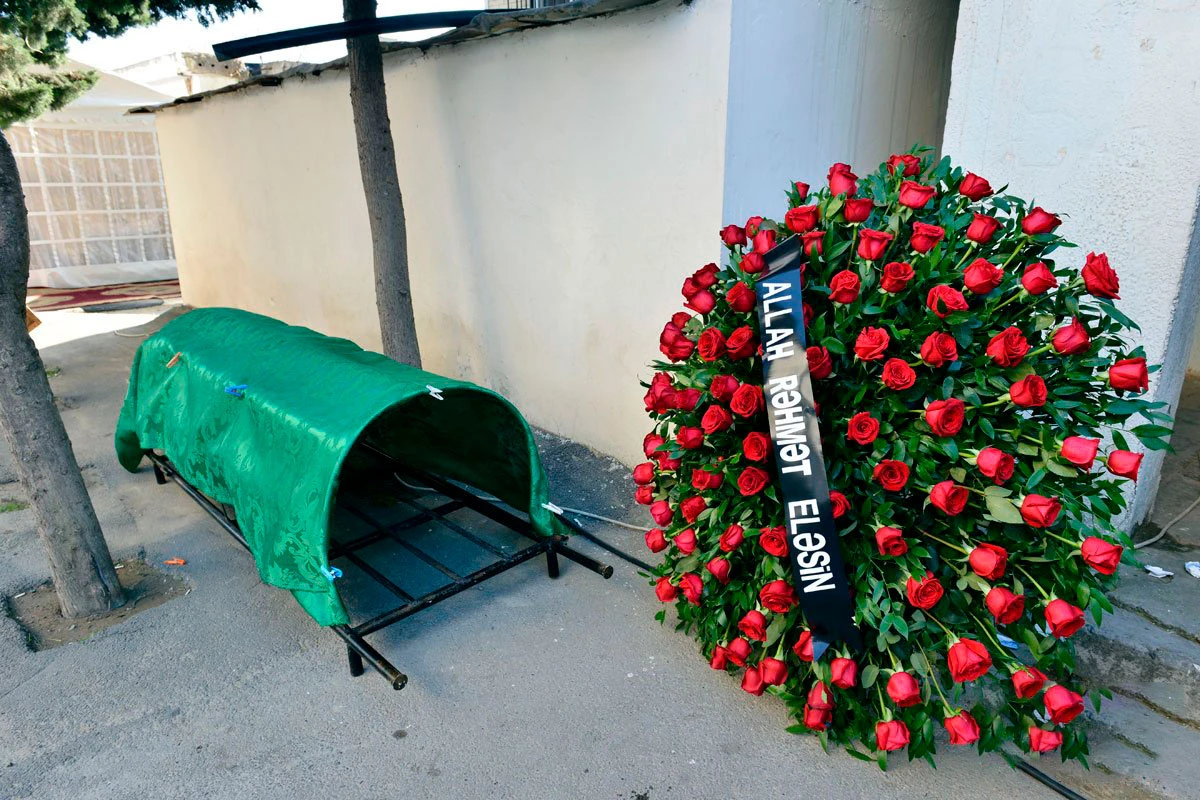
(377, 163)
(79, 560)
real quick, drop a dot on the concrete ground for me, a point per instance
(523, 687)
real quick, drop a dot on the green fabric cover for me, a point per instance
(275, 454)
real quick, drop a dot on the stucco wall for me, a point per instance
(1092, 108)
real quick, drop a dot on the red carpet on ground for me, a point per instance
(57, 299)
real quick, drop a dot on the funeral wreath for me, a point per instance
(980, 415)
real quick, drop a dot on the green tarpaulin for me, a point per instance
(261, 415)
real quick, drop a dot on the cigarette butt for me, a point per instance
(175, 562)
(174, 360)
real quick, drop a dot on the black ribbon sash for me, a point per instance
(813, 547)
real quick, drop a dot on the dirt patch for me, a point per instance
(38, 614)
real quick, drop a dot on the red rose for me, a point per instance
(1029, 392)
(643, 474)
(811, 244)
(802, 218)
(872, 244)
(692, 587)
(982, 228)
(808, 314)
(752, 263)
(995, 464)
(702, 301)
(843, 673)
(691, 508)
(974, 187)
(938, 349)
(903, 689)
(733, 236)
(944, 300)
(1124, 463)
(778, 596)
(774, 672)
(731, 538)
(906, 163)
(858, 209)
(773, 540)
(915, 195)
(1080, 450)
(644, 495)
(925, 237)
(924, 593)
(1005, 606)
(722, 387)
(898, 375)
(664, 590)
(1038, 220)
(685, 541)
(892, 735)
(1099, 278)
(1039, 511)
(687, 399)
(1130, 374)
(890, 542)
(660, 397)
(715, 419)
(673, 344)
(843, 287)
(720, 658)
(945, 417)
(738, 651)
(689, 438)
(988, 561)
(963, 728)
(661, 512)
(711, 344)
(752, 481)
(863, 428)
(1038, 278)
(752, 225)
(1062, 704)
(1028, 682)
(801, 190)
(741, 343)
(803, 646)
(1041, 741)
(1072, 339)
(949, 497)
(818, 711)
(842, 180)
(840, 504)
(704, 480)
(982, 276)
(891, 474)
(819, 364)
(1063, 618)
(756, 446)
(968, 660)
(656, 540)
(896, 275)
(754, 626)
(740, 297)
(1008, 347)
(706, 276)
(764, 240)
(871, 344)
(747, 400)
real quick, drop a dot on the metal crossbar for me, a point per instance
(359, 652)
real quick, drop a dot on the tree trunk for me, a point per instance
(385, 206)
(66, 523)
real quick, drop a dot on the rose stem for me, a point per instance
(942, 541)
(1034, 581)
(933, 677)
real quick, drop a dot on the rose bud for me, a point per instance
(754, 625)
(1130, 374)
(752, 263)
(1039, 511)
(843, 287)
(752, 682)
(643, 474)
(705, 479)
(944, 300)
(1029, 392)
(1038, 220)
(722, 387)
(945, 417)
(764, 240)
(661, 512)
(720, 658)
(687, 399)
(644, 495)
(706, 276)
(685, 541)
(733, 236)
(802, 218)
(656, 540)
(1008, 347)
(1041, 741)
(820, 365)
(811, 244)
(982, 276)
(995, 464)
(898, 375)
(974, 187)
(715, 420)
(988, 561)
(673, 344)
(665, 591)
(872, 244)
(842, 180)
(778, 596)
(1102, 556)
(840, 504)
(816, 719)
(1005, 606)
(938, 349)
(891, 474)
(903, 689)
(774, 672)
(982, 228)
(773, 540)
(906, 163)
(1028, 682)
(666, 463)
(924, 593)
(925, 237)
(702, 302)
(752, 225)
(741, 343)
(1063, 618)
(890, 542)
(1038, 278)
(740, 297)
(692, 587)
(756, 446)
(896, 275)
(803, 647)
(1062, 704)
(731, 538)
(963, 728)
(1080, 450)
(891, 735)
(871, 344)
(858, 209)
(691, 508)
(689, 438)
(1124, 463)
(818, 711)
(949, 497)
(1099, 278)
(1071, 339)
(801, 190)
(863, 428)
(915, 195)
(843, 673)
(738, 651)
(968, 660)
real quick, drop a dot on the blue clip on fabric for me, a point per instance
(237, 390)
(332, 573)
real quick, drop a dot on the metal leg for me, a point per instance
(356, 662)
(552, 562)
(160, 477)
